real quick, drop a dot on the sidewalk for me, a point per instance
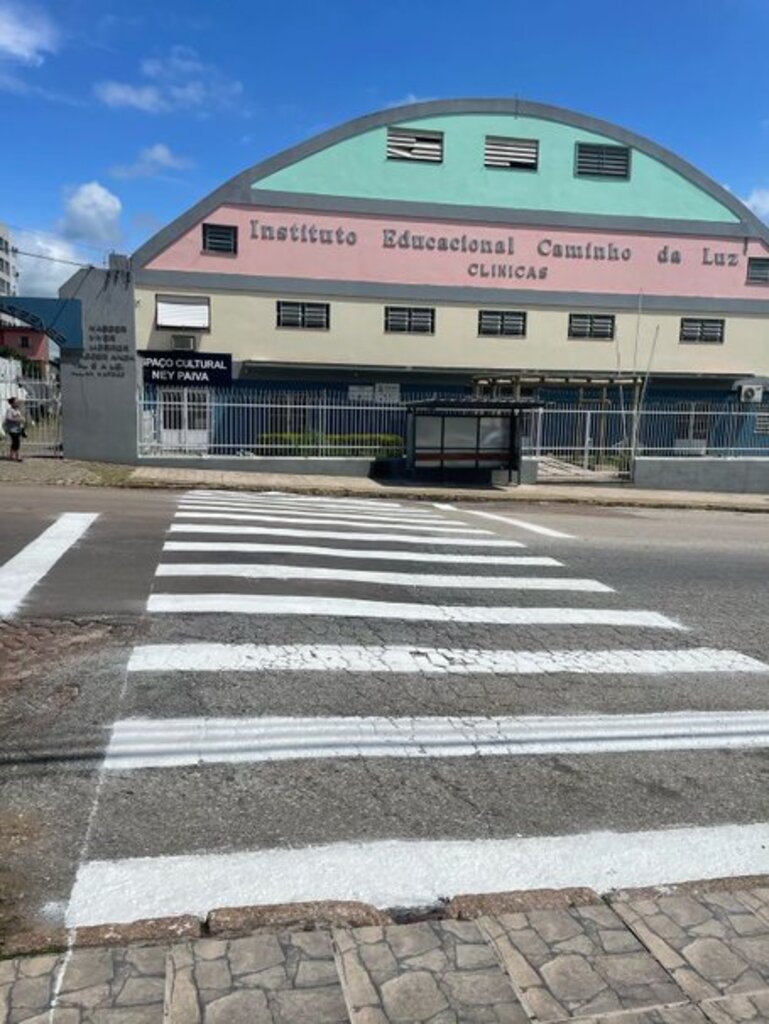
(687, 954)
(63, 472)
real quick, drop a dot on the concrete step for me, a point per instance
(267, 978)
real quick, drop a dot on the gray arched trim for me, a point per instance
(238, 190)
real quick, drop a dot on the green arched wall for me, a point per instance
(358, 167)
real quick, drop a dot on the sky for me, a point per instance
(117, 117)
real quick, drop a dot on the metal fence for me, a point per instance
(600, 441)
(251, 423)
(39, 396)
(245, 422)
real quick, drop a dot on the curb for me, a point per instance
(630, 500)
(230, 922)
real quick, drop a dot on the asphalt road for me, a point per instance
(63, 808)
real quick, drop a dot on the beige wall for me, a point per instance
(243, 324)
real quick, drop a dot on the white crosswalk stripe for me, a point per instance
(276, 604)
(311, 518)
(150, 743)
(323, 511)
(390, 579)
(214, 657)
(271, 531)
(437, 557)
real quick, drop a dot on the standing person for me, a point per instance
(13, 425)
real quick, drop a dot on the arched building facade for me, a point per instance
(449, 242)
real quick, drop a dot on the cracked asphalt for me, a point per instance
(59, 695)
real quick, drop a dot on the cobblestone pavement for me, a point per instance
(679, 955)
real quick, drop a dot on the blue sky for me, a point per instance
(118, 116)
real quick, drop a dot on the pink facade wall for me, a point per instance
(37, 350)
(339, 247)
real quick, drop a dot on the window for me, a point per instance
(409, 320)
(313, 316)
(705, 332)
(501, 323)
(591, 325)
(597, 161)
(520, 154)
(220, 238)
(407, 144)
(758, 271)
(183, 311)
(24, 341)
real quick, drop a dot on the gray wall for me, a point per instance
(700, 473)
(99, 383)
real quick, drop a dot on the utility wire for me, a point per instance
(51, 259)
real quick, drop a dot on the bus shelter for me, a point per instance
(465, 439)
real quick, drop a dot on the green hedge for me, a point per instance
(374, 445)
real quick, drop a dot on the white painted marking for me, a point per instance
(410, 873)
(228, 546)
(522, 524)
(25, 570)
(342, 607)
(310, 519)
(303, 499)
(443, 505)
(272, 503)
(246, 570)
(211, 657)
(165, 743)
(280, 510)
(268, 531)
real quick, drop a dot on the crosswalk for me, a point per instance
(370, 673)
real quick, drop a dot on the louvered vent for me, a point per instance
(521, 154)
(409, 320)
(307, 315)
(758, 271)
(220, 238)
(591, 325)
(596, 161)
(405, 144)
(702, 331)
(501, 323)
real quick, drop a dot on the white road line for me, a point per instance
(257, 502)
(400, 872)
(212, 657)
(164, 743)
(342, 607)
(268, 531)
(437, 557)
(522, 524)
(444, 505)
(310, 519)
(22, 572)
(300, 499)
(281, 510)
(246, 570)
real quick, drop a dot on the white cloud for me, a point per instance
(151, 163)
(758, 202)
(92, 214)
(140, 97)
(26, 33)
(50, 264)
(178, 81)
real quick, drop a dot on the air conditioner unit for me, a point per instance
(753, 393)
(183, 342)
